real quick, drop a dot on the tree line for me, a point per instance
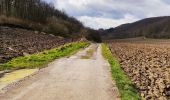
(38, 11)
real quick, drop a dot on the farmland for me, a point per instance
(16, 42)
(147, 63)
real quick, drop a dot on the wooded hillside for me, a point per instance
(156, 27)
(38, 15)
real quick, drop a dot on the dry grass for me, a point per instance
(16, 22)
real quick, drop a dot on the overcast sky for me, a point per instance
(111, 13)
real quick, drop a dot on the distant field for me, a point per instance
(140, 40)
(147, 63)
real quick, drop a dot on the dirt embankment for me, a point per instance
(148, 66)
(18, 42)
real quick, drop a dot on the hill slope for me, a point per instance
(16, 42)
(38, 15)
(156, 27)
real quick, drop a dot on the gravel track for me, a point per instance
(70, 78)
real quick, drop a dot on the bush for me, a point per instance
(94, 37)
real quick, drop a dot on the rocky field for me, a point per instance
(148, 66)
(18, 42)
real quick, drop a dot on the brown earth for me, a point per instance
(18, 42)
(148, 66)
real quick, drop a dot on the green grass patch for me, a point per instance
(126, 88)
(85, 57)
(39, 59)
(89, 54)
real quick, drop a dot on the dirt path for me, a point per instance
(70, 78)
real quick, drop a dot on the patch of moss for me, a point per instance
(7, 78)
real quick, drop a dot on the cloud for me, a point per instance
(101, 22)
(109, 13)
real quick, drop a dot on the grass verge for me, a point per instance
(39, 59)
(126, 88)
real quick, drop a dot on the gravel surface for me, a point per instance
(70, 78)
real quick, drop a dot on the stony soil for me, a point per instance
(18, 42)
(148, 66)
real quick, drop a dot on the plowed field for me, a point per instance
(148, 66)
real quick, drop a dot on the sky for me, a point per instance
(112, 13)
